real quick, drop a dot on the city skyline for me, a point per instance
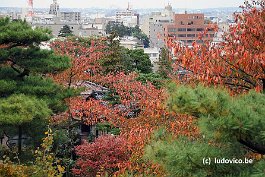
(189, 4)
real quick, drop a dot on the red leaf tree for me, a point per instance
(84, 57)
(108, 153)
(145, 98)
(238, 63)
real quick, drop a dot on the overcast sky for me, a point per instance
(123, 3)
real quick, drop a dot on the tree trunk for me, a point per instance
(263, 85)
(253, 146)
(19, 139)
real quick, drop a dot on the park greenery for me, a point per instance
(131, 121)
(122, 30)
(65, 31)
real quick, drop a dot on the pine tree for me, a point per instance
(231, 128)
(65, 31)
(27, 96)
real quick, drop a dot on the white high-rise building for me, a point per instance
(127, 17)
(153, 25)
(54, 8)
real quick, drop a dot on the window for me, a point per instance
(190, 35)
(181, 29)
(200, 29)
(190, 29)
(171, 29)
(190, 41)
(182, 35)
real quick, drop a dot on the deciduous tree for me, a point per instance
(238, 62)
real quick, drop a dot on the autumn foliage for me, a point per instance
(84, 59)
(238, 62)
(147, 100)
(108, 153)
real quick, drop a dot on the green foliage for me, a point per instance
(230, 127)
(114, 61)
(7, 87)
(240, 117)
(36, 86)
(259, 169)
(247, 117)
(65, 31)
(108, 128)
(138, 61)
(183, 157)
(165, 63)
(18, 109)
(44, 165)
(122, 30)
(126, 60)
(198, 101)
(112, 97)
(154, 78)
(20, 33)
(27, 96)
(34, 59)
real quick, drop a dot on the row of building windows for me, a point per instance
(195, 17)
(191, 41)
(187, 29)
(188, 23)
(190, 35)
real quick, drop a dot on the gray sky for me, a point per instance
(123, 3)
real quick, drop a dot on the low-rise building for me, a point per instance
(153, 54)
(131, 43)
(70, 16)
(77, 29)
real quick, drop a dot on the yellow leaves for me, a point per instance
(60, 168)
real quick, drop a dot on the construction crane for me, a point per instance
(30, 8)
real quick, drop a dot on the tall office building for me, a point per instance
(187, 28)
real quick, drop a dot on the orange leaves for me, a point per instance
(144, 101)
(84, 60)
(237, 63)
(92, 111)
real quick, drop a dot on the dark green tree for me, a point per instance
(27, 96)
(231, 128)
(165, 63)
(138, 61)
(65, 31)
(122, 59)
(154, 78)
(113, 62)
(122, 30)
